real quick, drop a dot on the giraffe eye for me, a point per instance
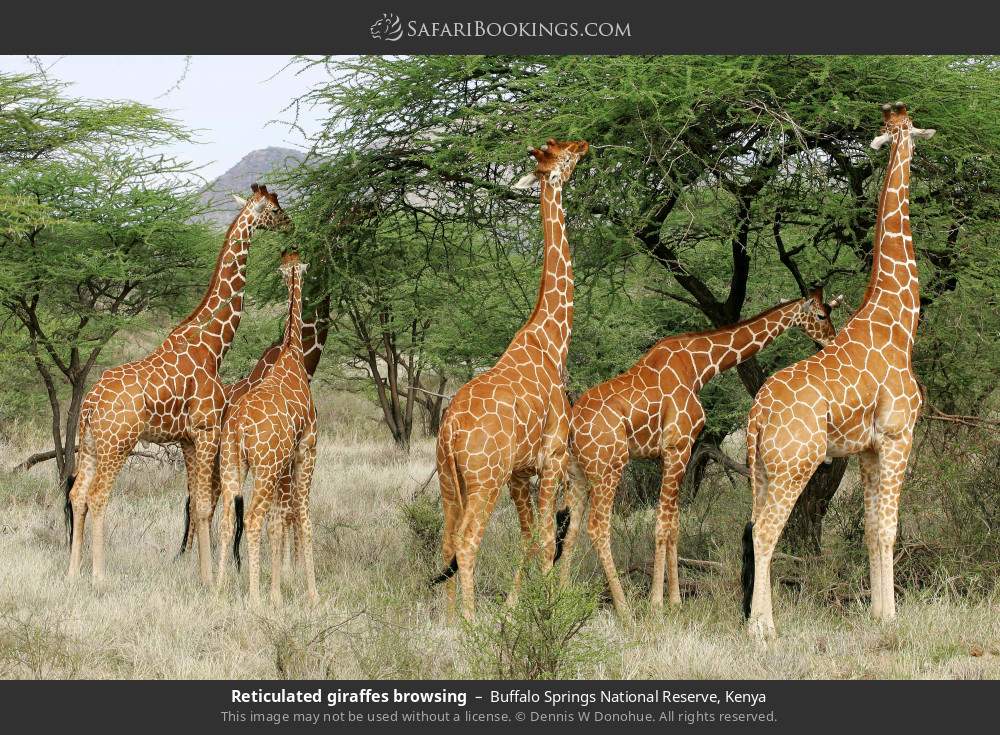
(821, 317)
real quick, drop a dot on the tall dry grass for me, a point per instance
(377, 618)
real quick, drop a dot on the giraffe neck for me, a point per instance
(214, 321)
(291, 345)
(314, 333)
(717, 350)
(554, 308)
(893, 292)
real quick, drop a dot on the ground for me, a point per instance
(378, 618)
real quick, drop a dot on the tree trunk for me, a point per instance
(804, 531)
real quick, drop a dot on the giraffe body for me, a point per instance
(314, 333)
(172, 395)
(652, 411)
(512, 421)
(858, 395)
(270, 432)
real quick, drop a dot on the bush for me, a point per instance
(425, 520)
(542, 637)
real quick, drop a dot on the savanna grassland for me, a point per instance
(376, 546)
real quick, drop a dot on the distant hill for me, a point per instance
(255, 166)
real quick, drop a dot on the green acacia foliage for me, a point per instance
(95, 232)
(716, 186)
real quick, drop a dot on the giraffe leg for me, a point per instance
(869, 470)
(108, 468)
(85, 476)
(674, 462)
(893, 455)
(305, 463)
(275, 530)
(451, 504)
(602, 498)
(479, 506)
(769, 521)
(260, 503)
(206, 444)
(520, 493)
(575, 483)
(232, 474)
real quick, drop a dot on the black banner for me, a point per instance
(493, 706)
(521, 27)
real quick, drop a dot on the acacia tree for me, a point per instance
(94, 234)
(741, 180)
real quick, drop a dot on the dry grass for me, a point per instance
(377, 618)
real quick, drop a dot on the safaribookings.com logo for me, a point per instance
(390, 28)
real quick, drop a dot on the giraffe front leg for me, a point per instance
(673, 461)
(893, 456)
(868, 465)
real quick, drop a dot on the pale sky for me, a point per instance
(228, 100)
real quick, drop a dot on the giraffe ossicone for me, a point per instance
(858, 395)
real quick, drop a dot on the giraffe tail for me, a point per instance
(576, 482)
(452, 566)
(68, 508)
(187, 528)
(758, 482)
(238, 536)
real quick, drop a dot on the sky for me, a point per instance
(227, 100)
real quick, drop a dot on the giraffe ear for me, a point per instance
(922, 133)
(526, 182)
(880, 141)
(240, 200)
(836, 301)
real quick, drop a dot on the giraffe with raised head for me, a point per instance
(171, 396)
(652, 411)
(856, 396)
(314, 332)
(271, 431)
(512, 421)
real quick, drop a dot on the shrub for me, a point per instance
(543, 636)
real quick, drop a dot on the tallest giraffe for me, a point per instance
(171, 396)
(512, 421)
(857, 396)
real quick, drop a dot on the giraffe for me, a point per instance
(314, 333)
(271, 431)
(512, 421)
(652, 411)
(172, 395)
(856, 396)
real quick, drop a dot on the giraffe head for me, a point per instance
(896, 124)
(267, 213)
(290, 263)
(813, 316)
(556, 161)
